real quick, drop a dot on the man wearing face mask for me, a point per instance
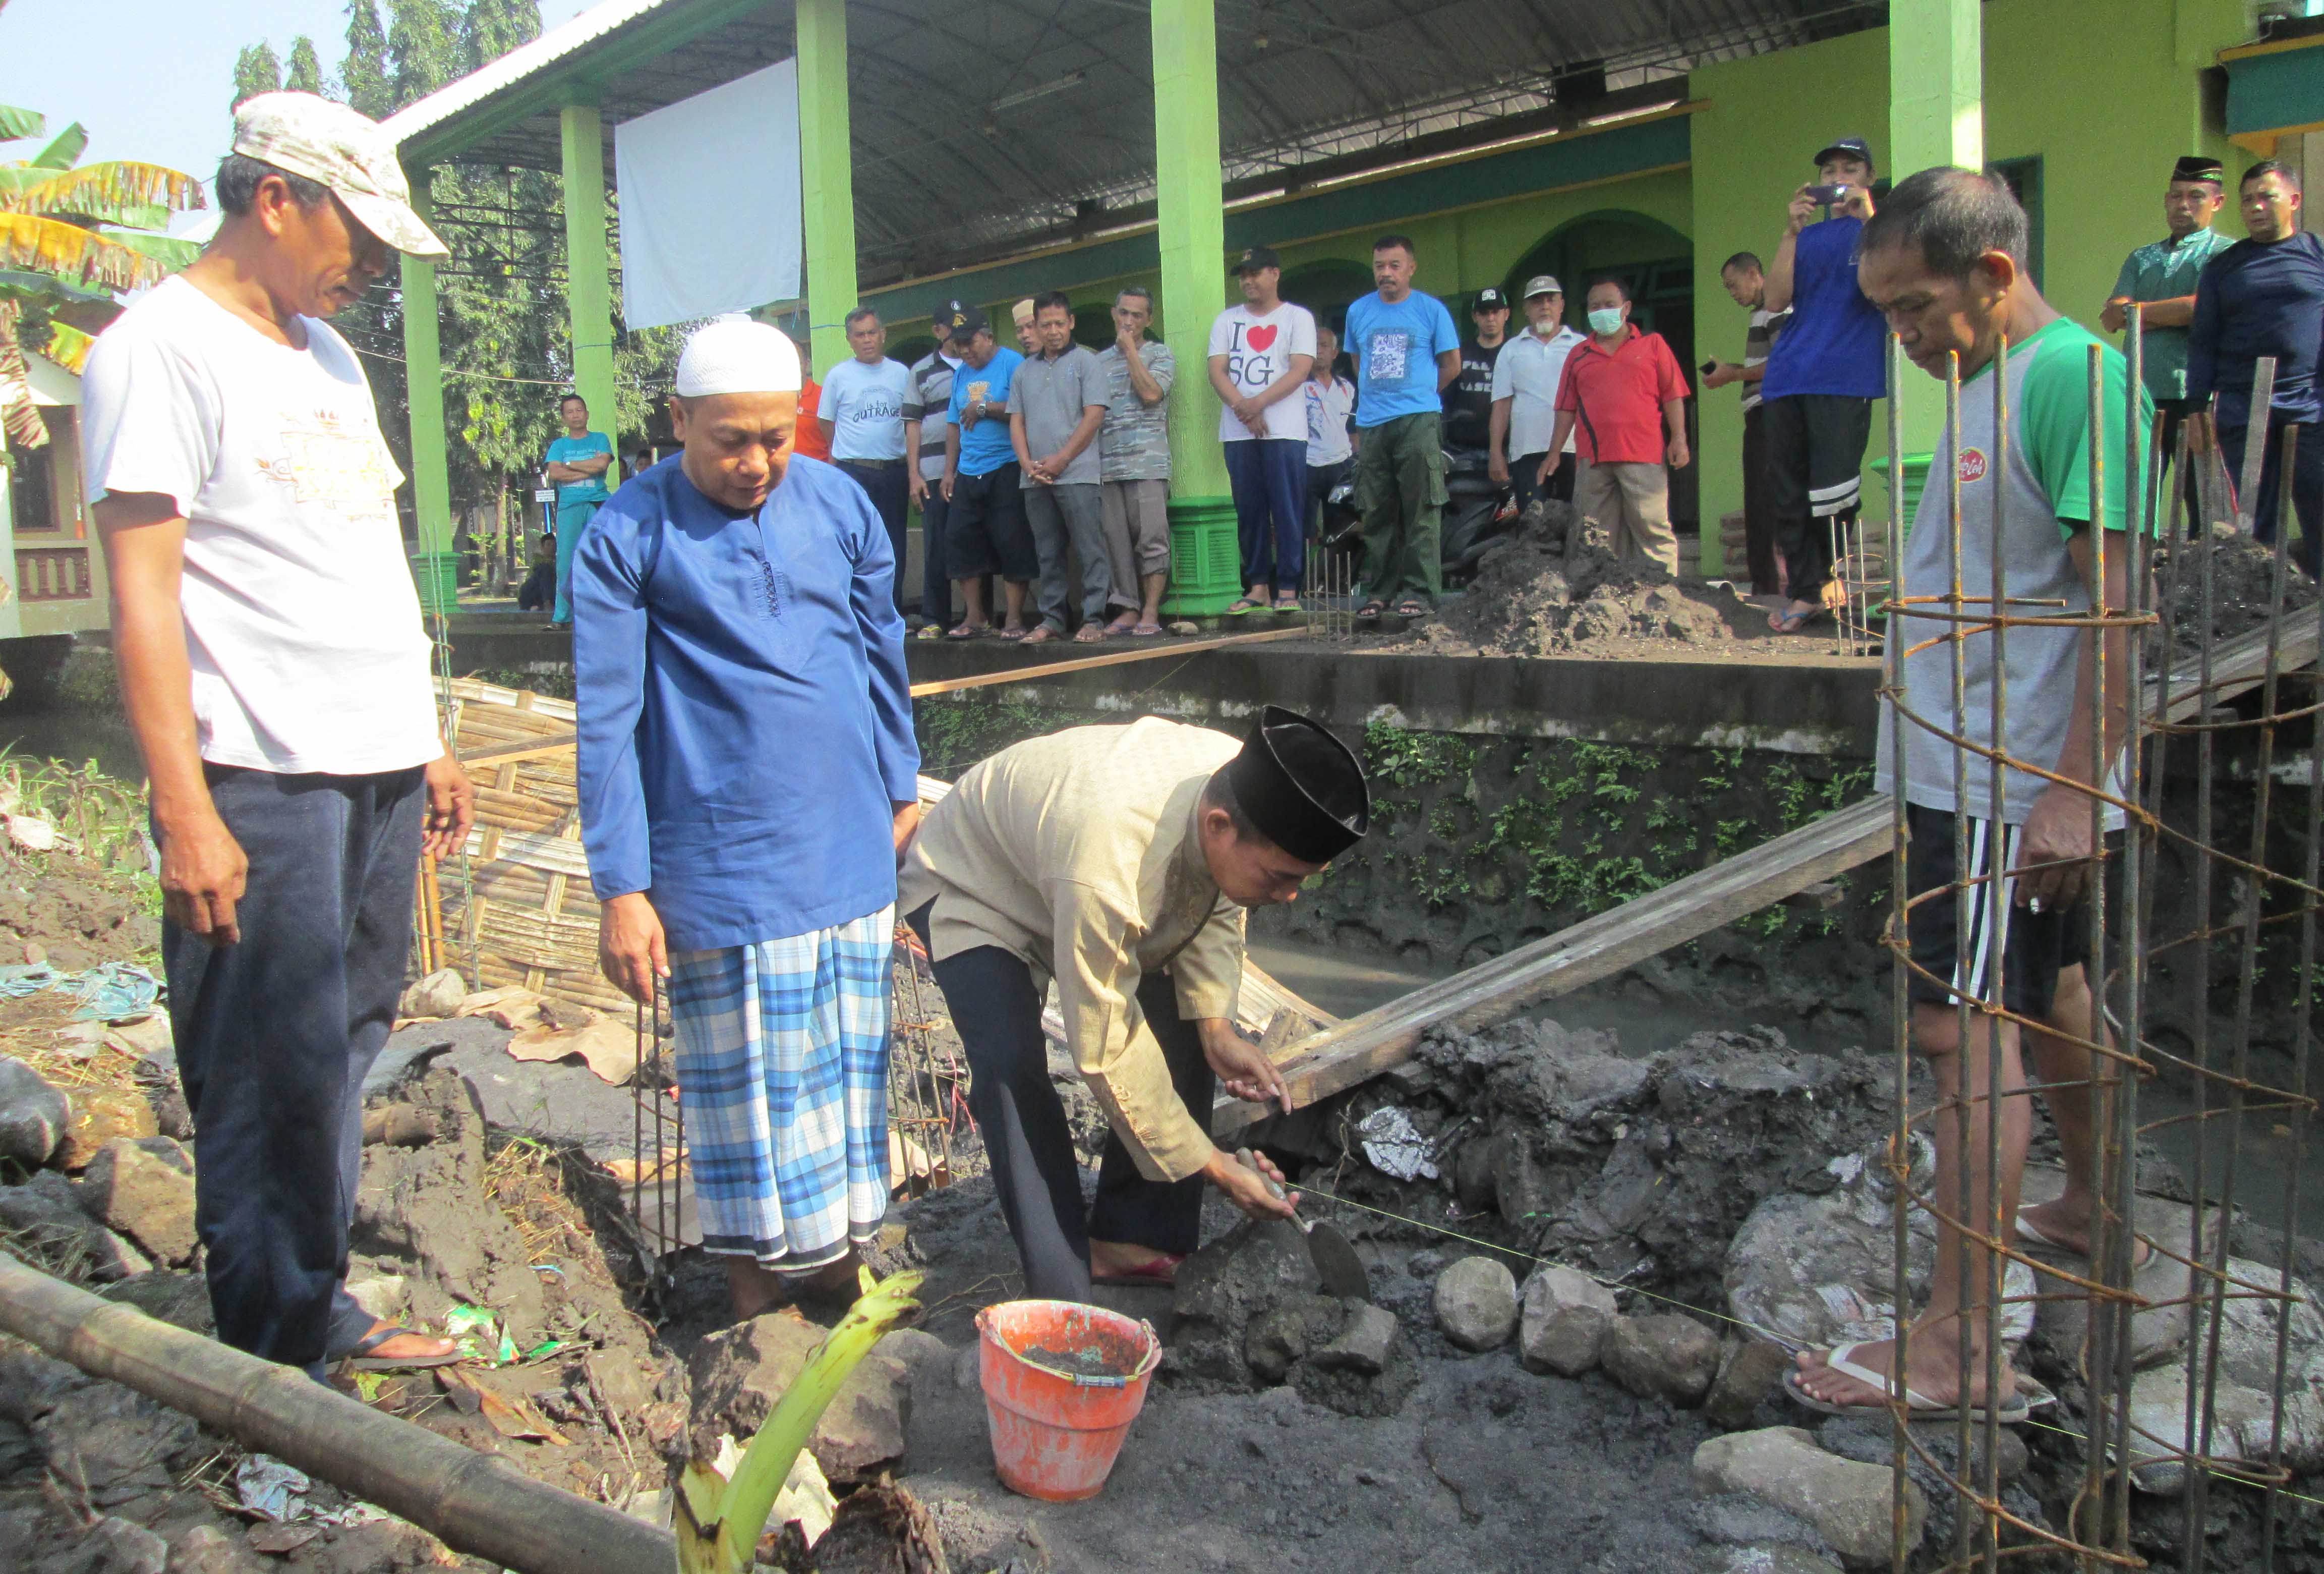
(748, 782)
(1622, 391)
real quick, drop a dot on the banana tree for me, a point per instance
(70, 237)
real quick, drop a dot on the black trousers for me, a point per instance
(997, 1015)
(1761, 555)
(2307, 482)
(936, 585)
(274, 1035)
(1559, 487)
(1814, 478)
(888, 484)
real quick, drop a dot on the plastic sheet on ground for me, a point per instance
(1395, 1146)
(104, 993)
(274, 1490)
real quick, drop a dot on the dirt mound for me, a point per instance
(1555, 587)
(71, 912)
(2243, 590)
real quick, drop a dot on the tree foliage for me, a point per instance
(364, 71)
(304, 71)
(256, 71)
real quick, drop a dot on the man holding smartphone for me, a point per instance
(1822, 375)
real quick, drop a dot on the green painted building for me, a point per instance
(979, 153)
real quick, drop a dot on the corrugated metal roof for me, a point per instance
(985, 124)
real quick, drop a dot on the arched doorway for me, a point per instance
(1657, 263)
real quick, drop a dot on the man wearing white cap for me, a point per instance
(748, 777)
(276, 674)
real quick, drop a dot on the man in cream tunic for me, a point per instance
(1118, 860)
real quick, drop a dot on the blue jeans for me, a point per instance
(274, 1035)
(1268, 478)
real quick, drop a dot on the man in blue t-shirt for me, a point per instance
(575, 465)
(1408, 352)
(985, 530)
(1823, 377)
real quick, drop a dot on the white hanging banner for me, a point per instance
(710, 202)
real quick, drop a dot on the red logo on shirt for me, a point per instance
(1261, 339)
(1972, 465)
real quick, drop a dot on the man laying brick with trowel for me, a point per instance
(1118, 860)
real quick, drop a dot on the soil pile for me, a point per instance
(1555, 587)
(2243, 590)
(72, 913)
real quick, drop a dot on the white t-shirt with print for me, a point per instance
(302, 623)
(1258, 351)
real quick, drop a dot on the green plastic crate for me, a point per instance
(1205, 556)
(438, 577)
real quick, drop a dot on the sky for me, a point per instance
(154, 80)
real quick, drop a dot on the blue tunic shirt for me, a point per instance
(1836, 341)
(745, 719)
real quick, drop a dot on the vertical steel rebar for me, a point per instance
(2195, 1439)
(1963, 1203)
(1900, 996)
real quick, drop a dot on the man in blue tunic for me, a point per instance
(748, 779)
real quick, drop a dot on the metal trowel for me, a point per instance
(1336, 1259)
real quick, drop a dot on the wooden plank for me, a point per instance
(1112, 658)
(1363, 1047)
(509, 753)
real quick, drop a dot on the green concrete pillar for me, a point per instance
(1936, 94)
(588, 284)
(1191, 210)
(826, 179)
(433, 563)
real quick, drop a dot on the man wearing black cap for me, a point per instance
(986, 531)
(1822, 375)
(1118, 861)
(1469, 402)
(2162, 276)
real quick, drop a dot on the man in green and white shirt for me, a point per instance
(2162, 277)
(1944, 260)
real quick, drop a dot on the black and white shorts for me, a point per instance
(1815, 454)
(2036, 946)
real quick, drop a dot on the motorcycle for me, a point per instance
(1478, 512)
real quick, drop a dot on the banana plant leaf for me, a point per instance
(18, 285)
(165, 249)
(96, 190)
(17, 123)
(19, 415)
(65, 152)
(76, 255)
(68, 346)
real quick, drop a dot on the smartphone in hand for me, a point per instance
(1828, 195)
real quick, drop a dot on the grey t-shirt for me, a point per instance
(1134, 443)
(2045, 481)
(1054, 395)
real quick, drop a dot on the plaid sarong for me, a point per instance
(782, 1063)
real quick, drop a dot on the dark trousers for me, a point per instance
(2171, 414)
(2307, 482)
(274, 1036)
(1559, 484)
(1814, 478)
(888, 484)
(1321, 480)
(936, 585)
(986, 531)
(1760, 528)
(1268, 478)
(998, 1013)
(1400, 489)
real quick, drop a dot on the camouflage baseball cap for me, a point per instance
(303, 134)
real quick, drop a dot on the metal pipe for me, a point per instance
(475, 1502)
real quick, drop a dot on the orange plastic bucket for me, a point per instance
(1059, 1418)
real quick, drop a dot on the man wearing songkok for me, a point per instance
(1118, 861)
(748, 775)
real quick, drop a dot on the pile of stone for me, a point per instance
(109, 1193)
(1250, 1312)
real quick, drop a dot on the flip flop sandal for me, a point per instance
(1011, 634)
(1243, 605)
(1369, 612)
(1918, 1406)
(969, 630)
(1039, 636)
(1162, 1271)
(362, 1360)
(1147, 631)
(1288, 603)
(2031, 1238)
(1410, 608)
(1792, 622)
(1121, 626)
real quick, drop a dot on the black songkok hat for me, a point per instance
(1301, 786)
(2196, 167)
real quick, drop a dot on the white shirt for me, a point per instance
(302, 623)
(865, 407)
(1526, 374)
(1258, 351)
(1328, 409)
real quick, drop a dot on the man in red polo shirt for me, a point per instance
(1622, 389)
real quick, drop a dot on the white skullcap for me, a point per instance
(737, 356)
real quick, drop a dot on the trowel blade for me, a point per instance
(1341, 1271)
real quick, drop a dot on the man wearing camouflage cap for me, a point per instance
(276, 673)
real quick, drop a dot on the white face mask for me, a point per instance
(1606, 321)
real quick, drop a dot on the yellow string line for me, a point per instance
(1769, 1334)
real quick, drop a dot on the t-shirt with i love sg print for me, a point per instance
(1258, 351)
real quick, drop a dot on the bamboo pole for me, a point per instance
(475, 1502)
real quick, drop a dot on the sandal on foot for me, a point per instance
(363, 1360)
(1011, 634)
(1162, 1271)
(1089, 633)
(1412, 606)
(1288, 604)
(1126, 623)
(1147, 631)
(1369, 612)
(1918, 1406)
(970, 631)
(1790, 621)
(1241, 605)
(1040, 634)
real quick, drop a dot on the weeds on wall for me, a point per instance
(1577, 825)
